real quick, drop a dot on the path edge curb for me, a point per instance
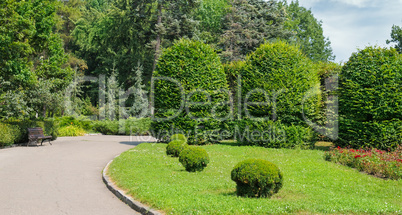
(135, 205)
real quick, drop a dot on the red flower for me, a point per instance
(357, 156)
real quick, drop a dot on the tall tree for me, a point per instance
(210, 14)
(396, 37)
(174, 20)
(248, 24)
(308, 33)
(32, 56)
(124, 32)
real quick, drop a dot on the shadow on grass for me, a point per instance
(229, 193)
(323, 146)
(229, 143)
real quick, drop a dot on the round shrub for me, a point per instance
(281, 76)
(175, 147)
(257, 178)
(194, 158)
(179, 137)
(189, 89)
(370, 98)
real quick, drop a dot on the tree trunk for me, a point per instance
(158, 37)
(44, 111)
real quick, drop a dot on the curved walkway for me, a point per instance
(65, 178)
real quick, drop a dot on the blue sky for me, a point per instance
(352, 24)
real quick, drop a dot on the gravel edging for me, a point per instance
(136, 205)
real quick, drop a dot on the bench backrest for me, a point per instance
(35, 132)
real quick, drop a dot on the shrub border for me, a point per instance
(135, 205)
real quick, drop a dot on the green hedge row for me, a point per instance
(370, 98)
(130, 126)
(16, 131)
(271, 134)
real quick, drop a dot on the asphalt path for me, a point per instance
(63, 178)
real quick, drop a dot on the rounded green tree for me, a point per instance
(257, 178)
(370, 98)
(283, 81)
(190, 91)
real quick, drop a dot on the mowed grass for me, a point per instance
(311, 185)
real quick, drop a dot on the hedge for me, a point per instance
(370, 98)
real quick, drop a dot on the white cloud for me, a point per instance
(352, 24)
(358, 3)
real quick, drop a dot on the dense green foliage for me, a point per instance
(175, 147)
(131, 126)
(370, 99)
(271, 134)
(7, 134)
(283, 81)
(257, 178)
(19, 129)
(248, 24)
(33, 73)
(71, 131)
(190, 88)
(194, 158)
(308, 33)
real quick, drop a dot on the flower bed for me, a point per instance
(372, 161)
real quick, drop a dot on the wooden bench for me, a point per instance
(35, 134)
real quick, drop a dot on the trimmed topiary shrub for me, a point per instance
(190, 92)
(175, 147)
(370, 98)
(179, 137)
(281, 76)
(194, 158)
(257, 178)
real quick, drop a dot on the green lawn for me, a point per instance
(311, 185)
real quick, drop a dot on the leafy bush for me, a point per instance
(106, 127)
(199, 71)
(175, 147)
(50, 128)
(7, 134)
(282, 77)
(372, 161)
(81, 121)
(131, 126)
(138, 126)
(370, 98)
(71, 131)
(194, 158)
(386, 134)
(271, 134)
(257, 178)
